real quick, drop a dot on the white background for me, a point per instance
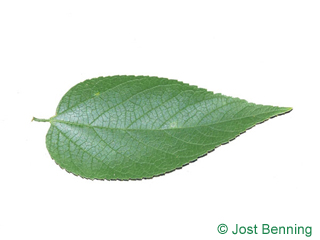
(267, 52)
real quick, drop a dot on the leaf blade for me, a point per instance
(127, 127)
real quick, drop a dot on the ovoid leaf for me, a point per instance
(134, 127)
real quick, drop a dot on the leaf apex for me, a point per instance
(287, 109)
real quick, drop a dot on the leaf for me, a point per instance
(134, 127)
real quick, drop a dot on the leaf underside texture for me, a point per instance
(134, 127)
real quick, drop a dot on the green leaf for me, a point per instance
(134, 127)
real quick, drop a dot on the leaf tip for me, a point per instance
(287, 109)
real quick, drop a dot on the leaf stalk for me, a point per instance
(40, 119)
